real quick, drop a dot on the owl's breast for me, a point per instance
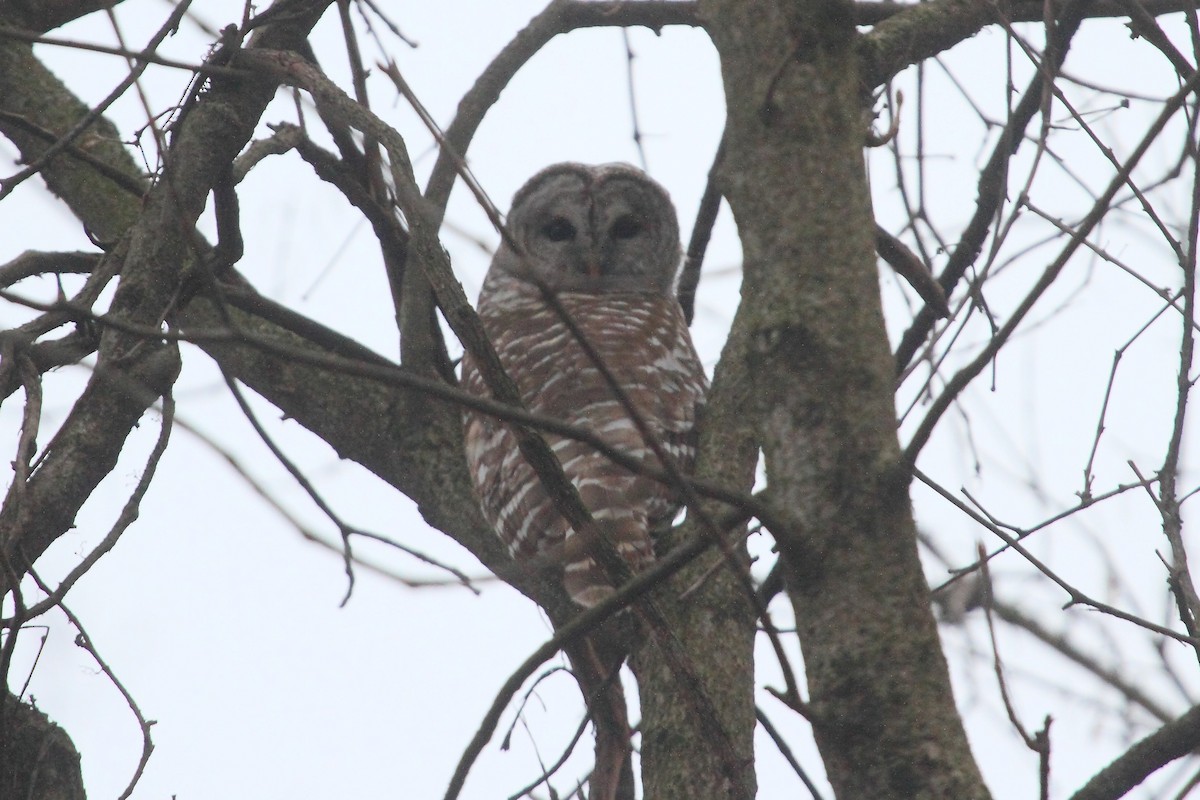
(641, 340)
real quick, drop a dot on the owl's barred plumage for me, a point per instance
(605, 239)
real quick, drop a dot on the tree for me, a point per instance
(807, 383)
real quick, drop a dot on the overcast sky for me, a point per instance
(225, 624)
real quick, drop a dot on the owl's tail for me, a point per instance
(585, 580)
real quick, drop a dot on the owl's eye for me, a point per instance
(558, 229)
(626, 226)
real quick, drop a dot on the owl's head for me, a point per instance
(583, 228)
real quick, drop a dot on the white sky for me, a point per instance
(224, 623)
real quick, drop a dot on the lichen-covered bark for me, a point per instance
(155, 256)
(157, 243)
(44, 15)
(715, 624)
(806, 373)
(30, 92)
(919, 32)
(818, 359)
(37, 759)
(408, 439)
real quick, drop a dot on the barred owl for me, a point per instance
(605, 239)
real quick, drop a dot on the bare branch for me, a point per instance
(306, 532)
(786, 752)
(84, 450)
(1061, 644)
(129, 514)
(31, 93)
(918, 32)
(32, 263)
(286, 346)
(7, 185)
(909, 33)
(1174, 740)
(84, 641)
(579, 626)
(993, 180)
(909, 266)
(549, 771)
(1097, 212)
(873, 12)
(147, 56)
(1168, 502)
(706, 217)
(46, 15)
(1076, 596)
(561, 16)
(133, 371)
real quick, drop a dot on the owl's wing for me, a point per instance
(678, 401)
(682, 389)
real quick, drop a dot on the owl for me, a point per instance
(605, 240)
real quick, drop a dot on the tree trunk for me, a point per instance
(710, 615)
(37, 759)
(717, 633)
(879, 692)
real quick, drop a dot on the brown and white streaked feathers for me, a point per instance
(606, 240)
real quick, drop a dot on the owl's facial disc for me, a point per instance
(589, 236)
(591, 247)
(580, 228)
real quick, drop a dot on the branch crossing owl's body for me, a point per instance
(605, 239)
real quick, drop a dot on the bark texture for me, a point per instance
(31, 94)
(821, 370)
(155, 244)
(715, 622)
(806, 376)
(37, 759)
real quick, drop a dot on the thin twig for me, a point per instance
(129, 514)
(7, 185)
(964, 376)
(997, 665)
(548, 772)
(579, 626)
(1076, 596)
(376, 368)
(240, 469)
(785, 751)
(992, 179)
(84, 641)
(147, 56)
(633, 111)
(706, 218)
(1168, 474)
